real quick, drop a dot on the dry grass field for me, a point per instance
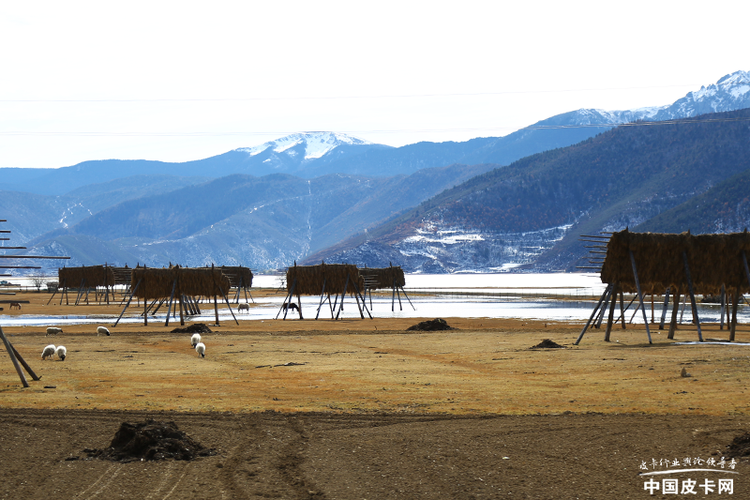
(367, 409)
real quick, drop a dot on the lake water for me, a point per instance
(546, 297)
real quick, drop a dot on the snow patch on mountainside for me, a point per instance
(316, 144)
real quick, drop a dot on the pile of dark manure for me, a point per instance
(548, 344)
(431, 326)
(194, 328)
(740, 446)
(150, 440)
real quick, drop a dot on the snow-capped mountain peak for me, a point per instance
(316, 144)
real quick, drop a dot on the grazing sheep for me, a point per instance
(195, 339)
(53, 330)
(101, 330)
(61, 352)
(200, 348)
(48, 352)
(243, 307)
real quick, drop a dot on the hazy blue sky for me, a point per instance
(181, 80)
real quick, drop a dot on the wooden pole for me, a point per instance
(228, 306)
(13, 359)
(664, 309)
(723, 305)
(675, 310)
(216, 304)
(610, 319)
(129, 299)
(593, 313)
(624, 310)
(693, 305)
(652, 309)
(407, 298)
(364, 305)
(735, 303)
(216, 310)
(24, 363)
(640, 294)
(603, 309)
(171, 299)
(322, 298)
(299, 306)
(637, 308)
(682, 310)
(182, 309)
(343, 295)
(53, 295)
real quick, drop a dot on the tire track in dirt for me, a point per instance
(176, 484)
(290, 464)
(165, 481)
(109, 478)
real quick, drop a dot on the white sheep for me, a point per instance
(200, 348)
(53, 330)
(195, 339)
(101, 330)
(61, 352)
(48, 352)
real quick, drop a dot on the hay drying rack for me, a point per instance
(641, 263)
(15, 356)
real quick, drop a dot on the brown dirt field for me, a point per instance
(363, 409)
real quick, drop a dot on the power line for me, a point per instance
(342, 97)
(682, 121)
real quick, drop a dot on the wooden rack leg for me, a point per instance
(603, 309)
(343, 295)
(13, 359)
(322, 298)
(171, 302)
(216, 310)
(693, 305)
(24, 363)
(640, 295)
(664, 309)
(733, 324)
(610, 319)
(229, 307)
(129, 299)
(675, 310)
(593, 313)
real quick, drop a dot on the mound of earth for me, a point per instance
(151, 440)
(431, 326)
(194, 328)
(548, 344)
(740, 446)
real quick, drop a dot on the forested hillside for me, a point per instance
(619, 178)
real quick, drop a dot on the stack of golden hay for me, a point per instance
(311, 280)
(194, 282)
(383, 278)
(713, 260)
(87, 276)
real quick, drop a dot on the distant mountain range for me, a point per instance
(689, 174)
(321, 195)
